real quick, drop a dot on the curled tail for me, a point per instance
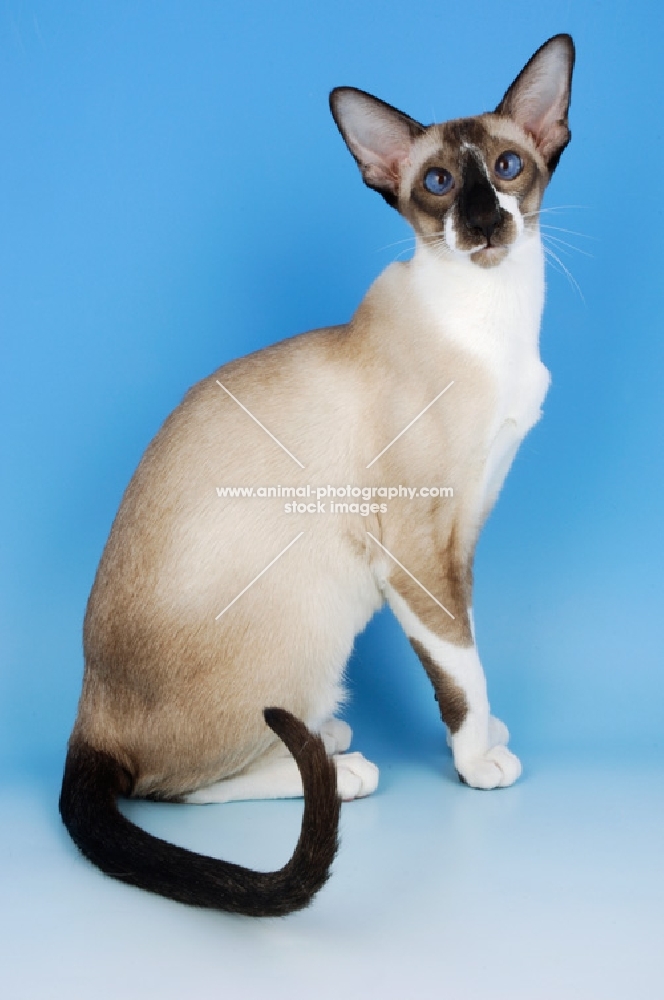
(94, 779)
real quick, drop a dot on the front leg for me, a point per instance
(476, 737)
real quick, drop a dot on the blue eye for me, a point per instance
(438, 181)
(508, 166)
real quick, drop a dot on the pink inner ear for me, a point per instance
(378, 136)
(539, 98)
(544, 119)
(384, 167)
(544, 104)
(383, 174)
(379, 146)
(385, 140)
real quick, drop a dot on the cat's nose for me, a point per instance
(478, 203)
(482, 211)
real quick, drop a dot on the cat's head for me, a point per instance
(470, 187)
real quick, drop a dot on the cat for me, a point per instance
(219, 625)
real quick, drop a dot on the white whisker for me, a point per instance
(409, 239)
(570, 232)
(554, 208)
(570, 277)
(401, 253)
(388, 246)
(563, 243)
(554, 263)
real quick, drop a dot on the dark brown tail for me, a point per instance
(93, 780)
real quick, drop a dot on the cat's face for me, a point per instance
(471, 188)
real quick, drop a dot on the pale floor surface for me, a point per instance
(550, 890)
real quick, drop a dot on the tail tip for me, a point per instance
(290, 730)
(276, 716)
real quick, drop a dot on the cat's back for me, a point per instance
(282, 416)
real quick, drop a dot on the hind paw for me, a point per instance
(356, 776)
(336, 735)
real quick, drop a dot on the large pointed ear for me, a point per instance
(539, 98)
(378, 136)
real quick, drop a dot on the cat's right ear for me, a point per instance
(539, 98)
(378, 136)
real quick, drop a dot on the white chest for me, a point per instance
(520, 383)
(494, 315)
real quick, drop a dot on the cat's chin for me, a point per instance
(489, 256)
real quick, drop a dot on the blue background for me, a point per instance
(174, 193)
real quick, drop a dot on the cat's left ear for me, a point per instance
(378, 136)
(539, 98)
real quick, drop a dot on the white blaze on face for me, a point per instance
(450, 235)
(509, 203)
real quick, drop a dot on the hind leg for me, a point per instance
(275, 775)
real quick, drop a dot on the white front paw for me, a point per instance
(497, 768)
(356, 776)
